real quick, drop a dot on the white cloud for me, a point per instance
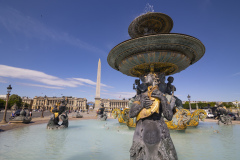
(42, 86)
(82, 80)
(236, 74)
(2, 80)
(37, 76)
(15, 21)
(49, 81)
(85, 81)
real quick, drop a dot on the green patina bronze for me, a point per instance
(151, 44)
(151, 54)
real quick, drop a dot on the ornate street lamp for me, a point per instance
(43, 108)
(237, 108)
(190, 108)
(9, 88)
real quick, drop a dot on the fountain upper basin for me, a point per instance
(169, 53)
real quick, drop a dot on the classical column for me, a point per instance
(97, 98)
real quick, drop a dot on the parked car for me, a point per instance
(232, 116)
(210, 115)
(17, 113)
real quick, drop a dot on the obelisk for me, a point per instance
(97, 98)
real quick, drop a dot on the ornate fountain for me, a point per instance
(152, 54)
(152, 43)
(59, 113)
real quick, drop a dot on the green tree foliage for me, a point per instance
(201, 105)
(186, 105)
(14, 99)
(227, 104)
(2, 104)
(26, 105)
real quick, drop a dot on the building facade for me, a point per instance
(28, 101)
(114, 103)
(73, 103)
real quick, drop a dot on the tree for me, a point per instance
(26, 106)
(227, 104)
(2, 103)
(14, 98)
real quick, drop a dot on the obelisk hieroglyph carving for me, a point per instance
(97, 98)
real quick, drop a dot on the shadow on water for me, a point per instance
(92, 156)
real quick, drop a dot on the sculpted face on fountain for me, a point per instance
(147, 79)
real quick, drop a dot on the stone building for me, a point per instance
(114, 103)
(28, 101)
(73, 103)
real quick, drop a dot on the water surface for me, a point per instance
(101, 140)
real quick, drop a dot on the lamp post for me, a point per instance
(190, 108)
(43, 108)
(237, 108)
(9, 88)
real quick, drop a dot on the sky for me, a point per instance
(52, 47)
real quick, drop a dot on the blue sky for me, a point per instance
(52, 47)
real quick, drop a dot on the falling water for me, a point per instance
(148, 8)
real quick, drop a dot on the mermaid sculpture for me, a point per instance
(117, 113)
(101, 114)
(223, 116)
(197, 115)
(151, 138)
(58, 113)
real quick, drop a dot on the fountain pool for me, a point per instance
(101, 140)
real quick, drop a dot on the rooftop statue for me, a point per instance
(101, 114)
(59, 113)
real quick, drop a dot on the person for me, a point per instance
(13, 114)
(151, 138)
(30, 113)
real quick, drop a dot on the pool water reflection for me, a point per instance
(101, 140)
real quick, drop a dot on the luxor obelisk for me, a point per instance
(97, 98)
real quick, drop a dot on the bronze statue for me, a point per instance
(59, 112)
(151, 138)
(20, 116)
(170, 92)
(101, 114)
(151, 53)
(222, 115)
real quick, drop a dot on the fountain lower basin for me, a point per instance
(98, 140)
